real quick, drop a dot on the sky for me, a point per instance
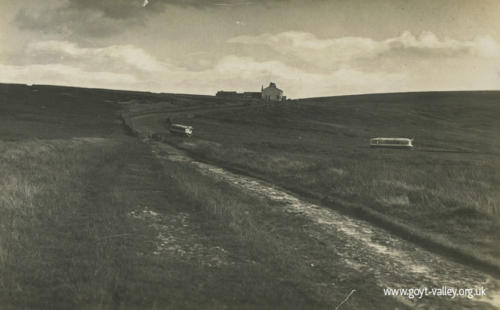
(308, 48)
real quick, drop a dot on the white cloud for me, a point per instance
(230, 73)
(64, 75)
(236, 72)
(119, 55)
(483, 46)
(246, 67)
(309, 48)
(130, 67)
(486, 46)
(332, 52)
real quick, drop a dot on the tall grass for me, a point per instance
(275, 241)
(233, 208)
(455, 198)
(62, 240)
(67, 241)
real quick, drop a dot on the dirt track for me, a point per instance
(391, 261)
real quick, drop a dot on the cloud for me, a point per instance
(331, 52)
(118, 57)
(308, 47)
(67, 21)
(64, 75)
(298, 82)
(131, 67)
(482, 46)
(103, 18)
(234, 72)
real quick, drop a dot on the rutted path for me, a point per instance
(391, 261)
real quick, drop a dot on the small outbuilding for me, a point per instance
(252, 94)
(222, 93)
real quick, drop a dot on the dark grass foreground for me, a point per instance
(99, 224)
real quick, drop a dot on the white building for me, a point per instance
(272, 93)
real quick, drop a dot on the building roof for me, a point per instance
(272, 86)
(395, 139)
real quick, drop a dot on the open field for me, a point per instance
(311, 239)
(107, 230)
(447, 189)
(64, 242)
(93, 218)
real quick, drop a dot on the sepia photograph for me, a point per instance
(249, 154)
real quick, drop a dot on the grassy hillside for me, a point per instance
(107, 229)
(64, 240)
(44, 111)
(447, 189)
(91, 219)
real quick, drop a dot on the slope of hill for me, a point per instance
(446, 190)
(92, 217)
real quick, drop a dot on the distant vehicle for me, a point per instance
(399, 143)
(181, 130)
(157, 136)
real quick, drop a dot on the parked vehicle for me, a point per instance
(181, 130)
(157, 136)
(402, 143)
